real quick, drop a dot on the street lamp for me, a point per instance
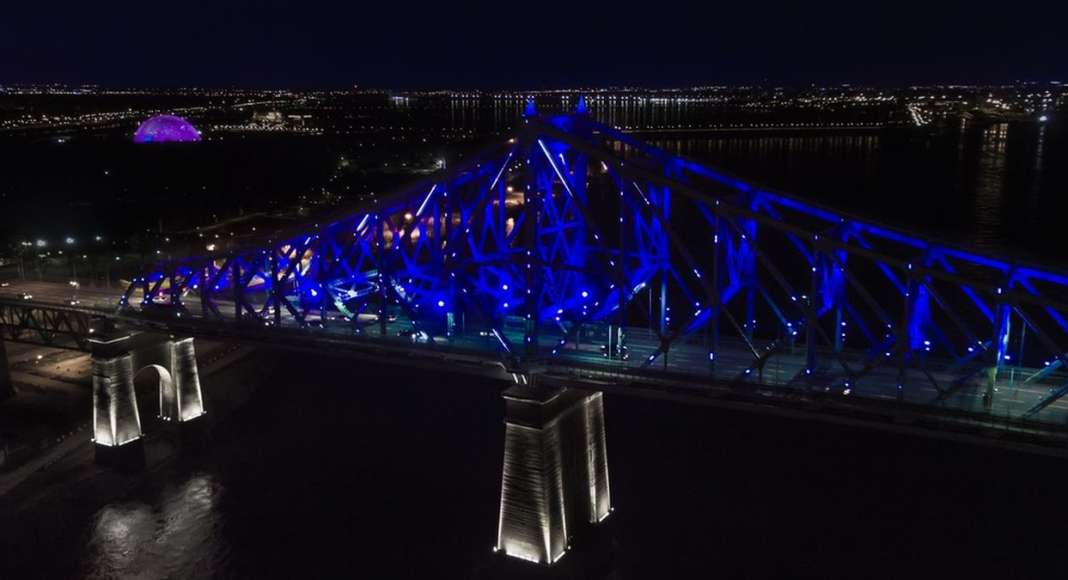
(40, 243)
(73, 264)
(22, 258)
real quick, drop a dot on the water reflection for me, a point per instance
(173, 536)
(412, 470)
(479, 113)
(118, 538)
(387, 473)
(1034, 192)
(961, 182)
(550, 488)
(786, 150)
(989, 187)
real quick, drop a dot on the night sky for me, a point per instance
(526, 44)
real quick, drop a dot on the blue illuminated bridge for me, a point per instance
(577, 253)
(572, 260)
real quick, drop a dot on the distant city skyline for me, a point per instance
(90, 87)
(280, 44)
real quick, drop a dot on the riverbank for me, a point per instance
(65, 480)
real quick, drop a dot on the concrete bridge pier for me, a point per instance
(183, 401)
(6, 388)
(118, 418)
(555, 476)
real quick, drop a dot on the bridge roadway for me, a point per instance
(687, 366)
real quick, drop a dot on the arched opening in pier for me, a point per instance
(154, 386)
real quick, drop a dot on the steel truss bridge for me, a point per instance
(575, 246)
(45, 325)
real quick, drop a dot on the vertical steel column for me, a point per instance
(665, 202)
(174, 285)
(904, 339)
(436, 235)
(717, 306)
(741, 267)
(1000, 342)
(532, 209)
(749, 240)
(811, 319)
(324, 292)
(1019, 352)
(578, 169)
(750, 309)
(443, 225)
(837, 284)
(653, 327)
(206, 290)
(275, 297)
(625, 289)
(235, 274)
(838, 332)
(383, 281)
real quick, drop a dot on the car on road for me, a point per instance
(416, 336)
(25, 296)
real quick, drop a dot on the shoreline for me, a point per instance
(69, 470)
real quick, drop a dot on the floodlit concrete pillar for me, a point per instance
(555, 475)
(180, 398)
(116, 421)
(595, 481)
(6, 388)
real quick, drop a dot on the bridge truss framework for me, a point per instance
(575, 241)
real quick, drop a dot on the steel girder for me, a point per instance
(46, 325)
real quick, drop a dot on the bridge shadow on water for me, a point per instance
(336, 469)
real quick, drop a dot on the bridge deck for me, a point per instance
(686, 366)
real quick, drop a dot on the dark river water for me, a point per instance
(380, 473)
(1001, 187)
(339, 470)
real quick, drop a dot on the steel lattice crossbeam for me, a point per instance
(47, 325)
(575, 241)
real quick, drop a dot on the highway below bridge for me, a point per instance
(685, 374)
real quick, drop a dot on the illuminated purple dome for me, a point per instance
(165, 128)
